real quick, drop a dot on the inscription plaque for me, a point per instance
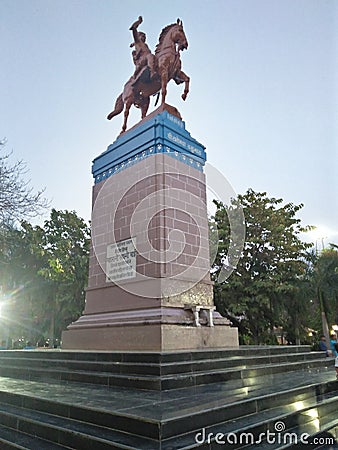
(121, 261)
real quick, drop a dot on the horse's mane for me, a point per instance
(163, 34)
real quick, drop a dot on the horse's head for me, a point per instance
(172, 36)
(179, 36)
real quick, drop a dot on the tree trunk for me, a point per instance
(326, 332)
(325, 325)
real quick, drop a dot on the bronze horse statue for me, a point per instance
(137, 90)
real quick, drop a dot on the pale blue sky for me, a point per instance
(263, 96)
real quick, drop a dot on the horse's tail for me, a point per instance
(118, 108)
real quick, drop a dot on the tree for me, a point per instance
(17, 198)
(324, 279)
(20, 284)
(43, 274)
(260, 293)
(65, 245)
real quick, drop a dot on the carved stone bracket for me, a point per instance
(196, 309)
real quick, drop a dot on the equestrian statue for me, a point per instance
(152, 72)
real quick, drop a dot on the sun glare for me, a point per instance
(320, 232)
(320, 236)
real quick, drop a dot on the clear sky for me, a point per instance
(263, 96)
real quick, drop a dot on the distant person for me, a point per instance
(29, 346)
(41, 342)
(336, 360)
(333, 341)
(322, 344)
(323, 347)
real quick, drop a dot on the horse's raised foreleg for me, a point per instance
(118, 108)
(183, 76)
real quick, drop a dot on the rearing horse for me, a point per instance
(172, 40)
(168, 67)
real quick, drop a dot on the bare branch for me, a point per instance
(17, 197)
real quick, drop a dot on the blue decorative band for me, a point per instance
(162, 133)
(159, 148)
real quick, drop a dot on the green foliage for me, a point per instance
(43, 274)
(264, 288)
(325, 282)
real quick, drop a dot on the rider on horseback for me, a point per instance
(142, 56)
(153, 72)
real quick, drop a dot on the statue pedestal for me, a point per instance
(149, 286)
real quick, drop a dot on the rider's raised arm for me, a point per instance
(133, 28)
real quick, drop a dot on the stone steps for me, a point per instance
(173, 381)
(42, 360)
(302, 428)
(155, 371)
(252, 430)
(81, 427)
(12, 439)
(164, 406)
(67, 433)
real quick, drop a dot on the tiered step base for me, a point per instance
(187, 400)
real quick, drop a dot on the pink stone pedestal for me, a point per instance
(149, 263)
